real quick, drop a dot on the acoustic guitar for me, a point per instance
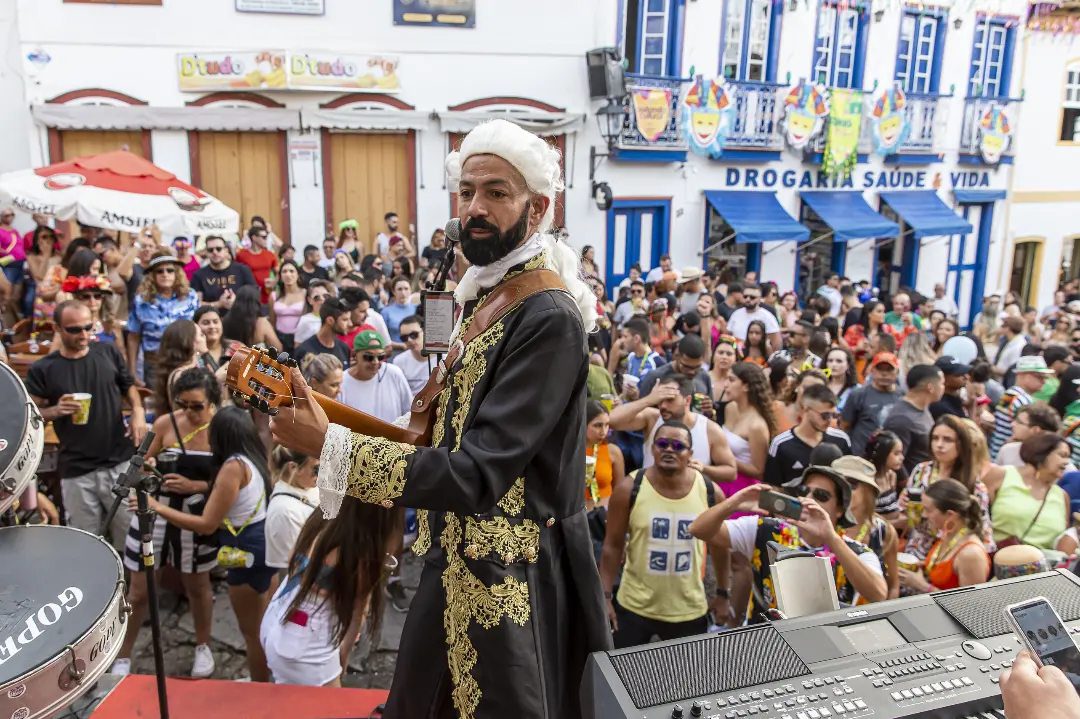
(262, 382)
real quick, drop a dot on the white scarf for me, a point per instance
(560, 257)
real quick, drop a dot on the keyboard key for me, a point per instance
(813, 714)
(860, 704)
(850, 706)
(917, 691)
(829, 680)
(968, 681)
(907, 694)
(927, 689)
(825, 712)
(935, 686)
(897, 696)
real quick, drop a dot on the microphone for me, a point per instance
(453, 231)
(131, 476)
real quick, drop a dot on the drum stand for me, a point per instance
(144, 480)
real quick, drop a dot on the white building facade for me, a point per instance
(310, 119)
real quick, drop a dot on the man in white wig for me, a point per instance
(509, 603)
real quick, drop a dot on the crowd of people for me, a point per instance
(914, 469)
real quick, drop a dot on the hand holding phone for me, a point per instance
(1045, 636)
(780, 504)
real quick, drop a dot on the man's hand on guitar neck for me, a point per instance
(301, 427)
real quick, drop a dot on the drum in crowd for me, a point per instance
(1018, 560)
(21, 438)
(62, 617)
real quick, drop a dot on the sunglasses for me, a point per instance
(820, 495)
(193, 406)
(371, 357)
(672, 445)
(410, 336)
(216, 249)
(83, 296)
(319, 298)
(165, 271)
(79, 329)
(637, 292)
(828, 416)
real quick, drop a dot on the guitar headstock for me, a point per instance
(260, 381)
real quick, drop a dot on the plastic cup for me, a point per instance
(82, 416)
(908, 561)
(631, 380)
(608, 400)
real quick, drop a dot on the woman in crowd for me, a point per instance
(287, 304)
(186, 257)
(335, 582)
(180, 450)
(209, 320)
(789, 310)
(324, 372)
(950, 446)
(885, 451)
(399, 309)
(841, 369)
(779, 380)
(870, 528)
(94, 291)
(182, 347)
(610, 468)
(914, 350)
(1028, 505)
(831, 326)
(348, 240)
(1060, 330)
(756, 345)
(245, 324)
(163, 298)
(588, 261)
(309, 323)
(236, 512)
(287, 253)
(724, 357)
(661, 328)
(862, 337)
(985, 469)
(343, 265)
(292, 501)
(712, 324)
(41, 259)
(945, 330)
(958, 557)
(748, 423)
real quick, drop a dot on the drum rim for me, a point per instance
(33, 436)
(119, 593)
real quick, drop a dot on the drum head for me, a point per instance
(12, 423)
(55, 583)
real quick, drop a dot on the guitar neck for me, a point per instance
(364, 423)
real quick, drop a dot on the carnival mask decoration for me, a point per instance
(890, 122)
(805, 110)
(995, 132)
(707, 112)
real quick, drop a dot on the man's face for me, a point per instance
(637, 293)
(630, 341)
(392, 223)
(955, 382)
(402, 290)
(412, 335)
(901, 303)
(7, 217)
(635, 273)
(734, 299)
(823, 491)
(936, 388)
(328, 248)
(497, 210)
(687, 366)
(674, 407)
(751, 299)
(1022, 427)
(819, 414)
(75, 329)
(939, 291)
(1031, 381)
(366, 363)
(665, 264)
(311, 257)
(799, 338)
(885, 377)
(258, 238)
(438, 239)
(218, 254)
(671, 449)
(343, 324)
(833, 281)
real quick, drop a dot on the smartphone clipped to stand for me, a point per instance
(1045, 636)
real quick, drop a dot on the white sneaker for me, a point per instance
(121, 667)
(203, 666)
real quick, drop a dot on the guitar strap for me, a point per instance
(498, 303)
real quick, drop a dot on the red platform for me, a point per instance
(136, 696)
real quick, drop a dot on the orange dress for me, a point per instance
(603, 471)
(942, 575)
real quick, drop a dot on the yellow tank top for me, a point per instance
(662, 579)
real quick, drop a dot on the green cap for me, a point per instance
(368, 340)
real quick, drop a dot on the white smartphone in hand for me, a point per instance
(1044, 635)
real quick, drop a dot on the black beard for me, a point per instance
(498, 246)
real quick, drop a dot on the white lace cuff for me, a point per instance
(372, 469)
(335, 466)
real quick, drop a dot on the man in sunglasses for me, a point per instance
(95, 454)
(218, 280)
(789, 452)
(649, 516)
(372, 384)
(634, 305)
(751, 310)
(259, 259)
(416, 366)
(798, 351)
(826, 502)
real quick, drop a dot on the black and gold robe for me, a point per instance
(509, 603)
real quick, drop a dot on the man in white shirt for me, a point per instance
(372, 385)
(943, 303)
(411, 362)
(752, 310)
(657, 273)
(329, 247)
(1012, 329)
(831, 291)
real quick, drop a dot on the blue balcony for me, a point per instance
(975, 108)
(756, 121)
(665, 140)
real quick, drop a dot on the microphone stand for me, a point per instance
(144, 480)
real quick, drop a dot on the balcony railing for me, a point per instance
(974, 110)
(756, 121)
(925, 122)
(672, 136)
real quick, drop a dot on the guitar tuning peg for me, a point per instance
(283, 358)
(272, 411)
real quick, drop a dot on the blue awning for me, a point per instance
(974, 196)
(756, 216)
(849, 216)
(926, 214)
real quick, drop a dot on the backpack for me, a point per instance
(710, 490)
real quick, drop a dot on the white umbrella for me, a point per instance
(118, 191)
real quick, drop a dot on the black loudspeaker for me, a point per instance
(606, 76)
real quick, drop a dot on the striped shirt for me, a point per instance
(1013, 399)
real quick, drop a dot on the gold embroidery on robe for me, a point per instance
(473, 367)
(378, 469)
(508, 542)
(423, 522)
(513, 502)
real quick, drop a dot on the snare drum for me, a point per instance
(22, 438)
(62, 617)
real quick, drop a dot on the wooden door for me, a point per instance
(245, 171)
(369, 176)
(81, 143)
